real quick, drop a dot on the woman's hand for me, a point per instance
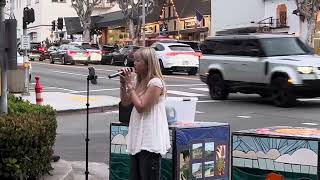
(126, 78)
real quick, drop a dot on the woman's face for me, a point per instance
(140, 66)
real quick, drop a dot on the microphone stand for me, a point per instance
(93, 78)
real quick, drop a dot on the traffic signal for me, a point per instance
(28, 15)
(60, 23)
(53, 25)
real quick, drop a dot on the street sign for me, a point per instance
(25, 42)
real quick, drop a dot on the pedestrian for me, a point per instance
(148, 134)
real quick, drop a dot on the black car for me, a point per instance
(46, 53)
(124, 56)
(107, 51)
(70, 54)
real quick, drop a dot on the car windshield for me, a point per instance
(88, 46)
(284, 46)
(108, 48)
(77, 48)
(180, 48)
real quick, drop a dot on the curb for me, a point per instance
(91, 110)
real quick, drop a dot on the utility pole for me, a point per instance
(25, 61)
(143, 23)
(4, 65)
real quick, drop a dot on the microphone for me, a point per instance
(117, 74)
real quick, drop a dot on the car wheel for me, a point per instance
(126, 62)
(193, 71)
(63, 60)
(51, 60)
(31, 59)
(217, 87)
(73, 62)
(282, 95)
(163, 70)
(112, 61)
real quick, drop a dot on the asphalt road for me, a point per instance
(241, 111)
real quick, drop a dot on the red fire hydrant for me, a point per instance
(38, 89)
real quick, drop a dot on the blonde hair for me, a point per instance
(149, 57)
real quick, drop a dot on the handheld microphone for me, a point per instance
(117, 74)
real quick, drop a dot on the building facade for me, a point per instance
(46, 11)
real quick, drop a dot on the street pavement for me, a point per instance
(241, 111)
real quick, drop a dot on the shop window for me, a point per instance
(169, 11)
(174, 25)
(203, 22)
(281, 15)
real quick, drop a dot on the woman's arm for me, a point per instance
(149, 98)
(125, 98)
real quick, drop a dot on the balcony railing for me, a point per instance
(106, 4)
(281, 23)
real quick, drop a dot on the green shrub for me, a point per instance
(27, 136)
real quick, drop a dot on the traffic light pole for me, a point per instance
(26, 69)
(143, 23)
(4, 65)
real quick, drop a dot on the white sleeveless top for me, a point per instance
(149, 130)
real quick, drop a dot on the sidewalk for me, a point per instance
(68, 103)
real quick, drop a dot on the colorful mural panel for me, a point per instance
(274, 157)
(195, 150)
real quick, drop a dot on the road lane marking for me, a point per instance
(310, 124)
(95, 90)
(184, 85)
(201, 89)
(76, 67)
(199, 112)
(244, 117)
(111, 112)
(106, 70)
(50, 87)
(182, 93)
(75, 74)
(208, 101)
(185, 78)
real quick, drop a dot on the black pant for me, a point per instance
(145, 165)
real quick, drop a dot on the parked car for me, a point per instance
(93, 49)
(280, 67)
(124, 56)
(35, 51)
(176, 57)
(70, 54)
(107, 50)
(46, 54)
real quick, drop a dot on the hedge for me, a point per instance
(27, 136)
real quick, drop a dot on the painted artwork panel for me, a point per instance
(291, 157)
(202, 145)
(119, 158)
(221, 160)
(209, 150)
(197, 151)
(185, 156)
(197, 171)
(209, 169)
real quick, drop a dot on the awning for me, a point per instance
(204, 29)
(73, 24)
(112, 19)
(184, 9)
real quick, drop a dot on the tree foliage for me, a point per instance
(84, 9)
(131, 10)
(307, 11)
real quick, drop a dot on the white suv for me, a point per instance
(280, 67)
(177, 57)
